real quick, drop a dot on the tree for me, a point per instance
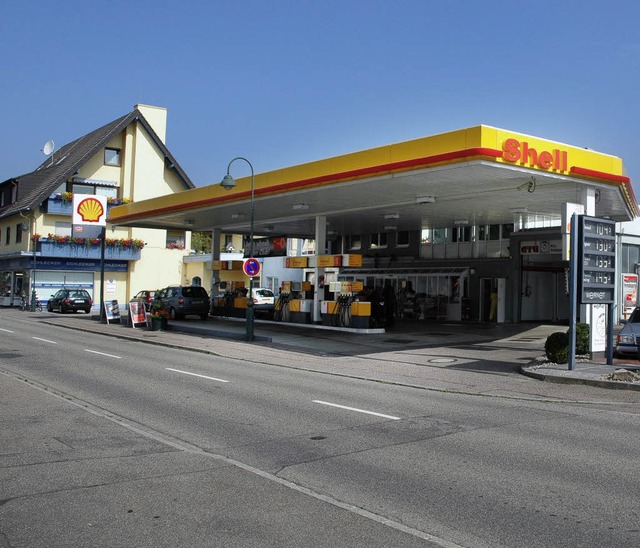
(201, 242)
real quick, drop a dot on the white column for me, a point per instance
(321, 244)
(215, 256)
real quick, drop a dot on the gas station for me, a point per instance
(470, 224)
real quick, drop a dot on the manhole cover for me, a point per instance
(443, 360)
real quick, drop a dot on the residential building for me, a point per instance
(125, 160)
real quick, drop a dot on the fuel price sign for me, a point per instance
(597, 260)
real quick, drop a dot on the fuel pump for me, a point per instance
(343, 317)
(281, 308)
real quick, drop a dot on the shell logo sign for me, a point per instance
(89, 209)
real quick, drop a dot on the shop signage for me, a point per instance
(329, 260)
(296, 262)
(515, 152)
(540, 247)
(267, 247)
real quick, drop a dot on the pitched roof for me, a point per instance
(35, 187)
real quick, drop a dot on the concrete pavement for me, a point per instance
(72, 475)
(443, 346)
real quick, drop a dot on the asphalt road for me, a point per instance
(365, 463)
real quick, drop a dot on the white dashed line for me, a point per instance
(44, 340)
(195, 375)
(102, 354)
(357, 410)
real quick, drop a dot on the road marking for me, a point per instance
(44, 340)
(102, 353)
(357, 410)
(195, 375)
(6, 330)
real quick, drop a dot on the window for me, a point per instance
(462, 234)
(84, 188)
(228, 243)
(63, 229)
(112, 156)
(175, 240)
(7, 237)
(354, 241)
(19, 233)
(378, 239)
(402, 238)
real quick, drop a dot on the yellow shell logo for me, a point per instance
(90, 210)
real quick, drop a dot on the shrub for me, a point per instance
(582, 339)
(556, 347)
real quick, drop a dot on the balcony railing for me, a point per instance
(59, 205)
(49, 248)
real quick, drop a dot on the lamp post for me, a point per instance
(228, 183)
(25, 226)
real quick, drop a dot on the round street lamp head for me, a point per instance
(228, 182)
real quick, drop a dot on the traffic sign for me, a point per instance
(251, 267)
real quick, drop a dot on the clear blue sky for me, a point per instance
(283, 82)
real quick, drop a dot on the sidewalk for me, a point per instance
(407, 343)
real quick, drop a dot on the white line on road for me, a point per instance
(102, 353)
(6, 330)
(195, 375)
(357, 410)
(44, 340)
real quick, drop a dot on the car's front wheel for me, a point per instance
(49, 307)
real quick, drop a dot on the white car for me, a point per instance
(263, 298)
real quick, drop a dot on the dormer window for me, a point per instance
(112, 156)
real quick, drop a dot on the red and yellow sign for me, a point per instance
(520, 152)
(296, 262)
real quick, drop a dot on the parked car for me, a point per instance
(628, 340)
(70, 300)
(263, 299)
(145, 296)
(183, 301)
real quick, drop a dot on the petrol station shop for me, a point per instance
(472, 223)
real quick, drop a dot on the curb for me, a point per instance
(564, 379)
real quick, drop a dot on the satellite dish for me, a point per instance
(48, 148)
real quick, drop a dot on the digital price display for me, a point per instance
(597, 260)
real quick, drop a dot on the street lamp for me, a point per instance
(228, 183)
(25, 228)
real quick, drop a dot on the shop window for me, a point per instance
(402, 238)
(112, 156)
(494, 232)
(461, 234)
(507, 229)
(354, 241)
(378, 240)
(439, 236)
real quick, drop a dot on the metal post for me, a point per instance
(573, 288)
(228, 183)
(34, 294)
(103, 237)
